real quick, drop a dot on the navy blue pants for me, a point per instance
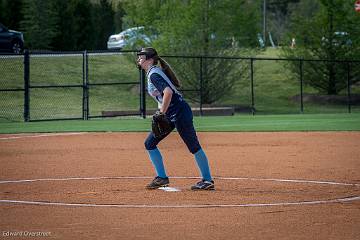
(183, 122)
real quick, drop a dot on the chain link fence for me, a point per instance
(11, 88)
(114, 84)
(40, 86)
(55, 86)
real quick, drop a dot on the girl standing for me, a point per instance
(162, 86)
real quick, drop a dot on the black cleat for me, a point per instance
(158, 182)
(204, 185)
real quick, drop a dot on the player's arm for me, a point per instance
(166, 99)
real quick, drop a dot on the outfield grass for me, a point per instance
(273, 88)
(237, 123)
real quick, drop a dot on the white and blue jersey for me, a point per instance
(157, 81)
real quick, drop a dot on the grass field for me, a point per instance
(296, 122)
(273, 88)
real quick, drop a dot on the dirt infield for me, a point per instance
(295, 185)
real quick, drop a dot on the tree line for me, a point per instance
(63, 25)
(322, 29)
(86, 24)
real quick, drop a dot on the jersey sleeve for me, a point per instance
(159, 82)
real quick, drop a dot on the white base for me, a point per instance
(169, 189)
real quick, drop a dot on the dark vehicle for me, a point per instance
(11, 41)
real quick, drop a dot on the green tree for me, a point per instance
(118, 17)
(76, 25)
(61, 25)
(211, 28)
(39, 23)
(331, 32)
(142, 12)
(278, 13)
(64, 40)
(83, 25)
(201, 27)
(3, 12)
(103, 18)
(10, 13)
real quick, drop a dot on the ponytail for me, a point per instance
(169, 72)
(150, 52)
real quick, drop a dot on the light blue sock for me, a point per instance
(203, 164)
(157, 161)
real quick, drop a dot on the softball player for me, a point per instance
(162, 83)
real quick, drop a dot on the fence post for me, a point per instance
(252, 85)
(348, 85)
(201, 85)
(142, 93)
(85, 101)
(301, 87)
(84, 86)
(26, 86)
